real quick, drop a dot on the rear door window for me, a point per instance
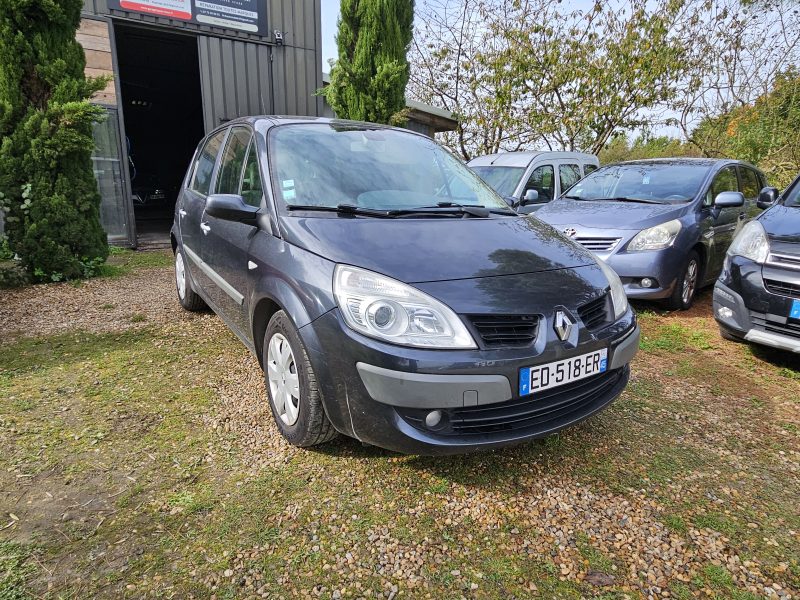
(568, 175)
(204, 166)
(230, 170)
(543, 181)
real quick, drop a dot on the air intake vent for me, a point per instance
(505, 330)
(598, 244)
(784, 288)
(596, 314)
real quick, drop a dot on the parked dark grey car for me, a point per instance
(382, 305)
(663, 225)
(757, 296)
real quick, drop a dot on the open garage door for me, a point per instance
(236, 80)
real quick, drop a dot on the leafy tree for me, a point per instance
(369, 78)
(47, 186)
(766, 132)
(620, 148)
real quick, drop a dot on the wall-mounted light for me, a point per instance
(278, 37)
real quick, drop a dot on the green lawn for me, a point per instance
(144, 462)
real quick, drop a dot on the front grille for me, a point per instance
(783, 288)
(541, 410)
(775, 324)
(790, 261)
(596, 314)
(505, 330)
(598, 244)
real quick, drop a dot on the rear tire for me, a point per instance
(686, 287)
(294, 395)
(183, 285)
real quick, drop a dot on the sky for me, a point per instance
(330, 13)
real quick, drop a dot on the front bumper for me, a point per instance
(755, 314)
(663, 266)
(380, 393)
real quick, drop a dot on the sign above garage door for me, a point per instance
(243, 15)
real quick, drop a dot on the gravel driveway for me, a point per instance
(686, 487)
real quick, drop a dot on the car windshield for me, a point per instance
(644, 182)
(792, 195)
(331, 165)
(504, 180)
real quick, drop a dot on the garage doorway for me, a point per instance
(159, 77)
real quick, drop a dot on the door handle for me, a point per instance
(205, 227)
(182, 212)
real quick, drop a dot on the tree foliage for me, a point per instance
(369, 78)
(766, 132)
(47, 186)
(620, 148)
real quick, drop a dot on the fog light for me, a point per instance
(433, 418)
(647, 282)
(724, 312)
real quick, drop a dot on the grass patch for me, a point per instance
(15, 569)
(675, 338)
(123, 261)
(717, 522)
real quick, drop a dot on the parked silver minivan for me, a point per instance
(529, 180)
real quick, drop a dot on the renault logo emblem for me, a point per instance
(562, 325)
(570, 232)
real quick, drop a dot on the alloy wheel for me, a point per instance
(689, 282)
(180, 275)
(284, 383)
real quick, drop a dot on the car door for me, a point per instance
(725, 222)
(541, 179)
(226, 243)
(192, 203)
(750, 183)
(568, 175)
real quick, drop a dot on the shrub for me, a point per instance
(47, 187)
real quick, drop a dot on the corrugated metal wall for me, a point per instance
(244, 74)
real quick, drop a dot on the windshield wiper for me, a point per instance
(494, 211)
(618, 199)
(349, 209)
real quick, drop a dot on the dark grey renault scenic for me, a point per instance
(389, 294)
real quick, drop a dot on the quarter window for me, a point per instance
(568, 175)
(542, 180)
(204, 167)
(252, 189)
(589, 169)
(725, 181)
(230, 170)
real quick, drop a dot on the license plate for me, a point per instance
(554, 374)
(794, 313)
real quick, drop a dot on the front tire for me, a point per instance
(294, 395)
(686, 286)
(186, 295)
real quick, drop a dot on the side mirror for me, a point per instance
(231, 207)
(767, 197)
(729, 199)
(531, 197)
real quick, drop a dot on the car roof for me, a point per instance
(523, 159)
(273, 120)
(685, 160)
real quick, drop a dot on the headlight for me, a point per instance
(751, 243)
(618, 297)
(655, 238)
(392, 311)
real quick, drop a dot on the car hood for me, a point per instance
(782, 223)
(608, 215)
(437, 249)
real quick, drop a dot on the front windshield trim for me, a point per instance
(373, 192)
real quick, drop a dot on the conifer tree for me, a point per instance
(368, 81)
(47, 185)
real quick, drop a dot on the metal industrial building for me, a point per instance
(180, 68)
